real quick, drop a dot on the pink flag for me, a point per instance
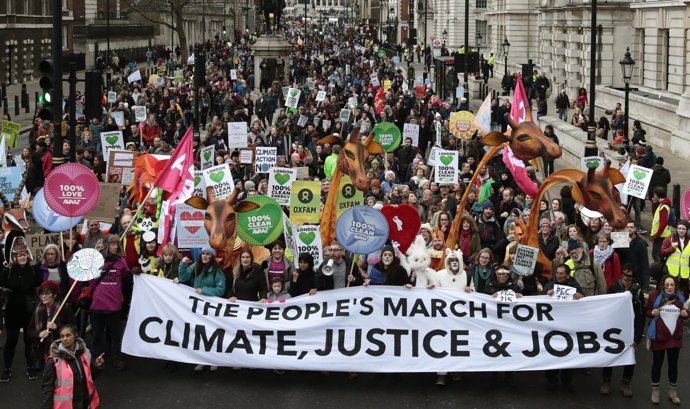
(178, 179)
(516, 165)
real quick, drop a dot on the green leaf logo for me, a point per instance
(307, 237)
(592, 165)
(217, 176)
(639, 174)
(282, 178)
(111, 139)
(207, 155)
(446, 159)
(197, 179)
(293, 93)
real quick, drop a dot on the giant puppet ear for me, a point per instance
(493, 138)
(197, 202)
(246, 206)
(616, 176)
(375, 148)
(332, 139)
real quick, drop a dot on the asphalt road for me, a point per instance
(147, 385)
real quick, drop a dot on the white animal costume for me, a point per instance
(446, 278)
(416, 261)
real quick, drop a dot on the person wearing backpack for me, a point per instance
(590, 275)
(661, 221)
(677, 250)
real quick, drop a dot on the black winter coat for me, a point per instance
(250, 286)
(22, 300)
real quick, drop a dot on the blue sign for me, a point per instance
(10, 177)
(361, 230)
(48, 219)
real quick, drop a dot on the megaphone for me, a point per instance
(327, 270)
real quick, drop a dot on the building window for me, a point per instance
(481, 4)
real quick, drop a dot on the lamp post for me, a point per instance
(627, 64)
(591, 144)
(506, 48)
(445, 36)
(478, 39)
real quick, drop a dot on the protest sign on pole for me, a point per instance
(326, 124)
(237, 135)
(112, 97)
(279, 184)
(266, 157)
(139, 113)
(348, 195)
(374, 79)
(388, 135)
(37, 243)
(107, 203)
(302, 121)
(219, 179)
(308, 240)
(292, 97)
(289, 234)
(119, 118)
(133, 77)
(11, 130)
(72, 189)
(525, 260)
(208, 156)
(246, 156)
(112, 140)
(361, 229)
(592, 162)
(447, 168)
(305, 201)
(320, 96)
(190, 227)
(411, 131)
(344, 115)
(378, 329)
(199, 184)
(121, 167)
(260, 226)
(637, 181)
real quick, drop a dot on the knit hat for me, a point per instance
(209, 250)
(487, 205)
(427, 227)
(51, 285)
(388, 247)
(573, 245)
(375, 183)
(639, 151)
(249, 185)
(375, 162)
(545, 220)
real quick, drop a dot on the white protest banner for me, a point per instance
(378, 329)
(288, 228)
(594, 162)
(637, 181)
(265, 158)
(208, 156)
(233, 74)
(279, 184)
(219, 179)
(320, 96)
(189, 223)
(112, 97)
(308, 240)
(112, 141)
(326, 124)
(411, 131)
(439, 135)
(237, 135)
(292, 97)
(139, 113)
(133, 77)
(199, 184)
(459, 92)
(374, 78)
(447, 168)
(119, 118)
(344, 115)
(302, 121)
(563, 292)
(621, 239)
(525, 260)
(433, 154)
(246, 156)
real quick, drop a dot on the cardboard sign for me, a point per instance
(302, 173)
(208, 156)
(292, 97)
(266, 157)
(326, 124)
(112, 141)
(237, 135)
(11, 130)
(199, 184)
(374, 78)
(233, 74)
(121, 167)
(525, 260)
(139, 113)
(433, 154)
(119, 118)
(112, 97)
(37, 243)
(305, 202)
(302, 121)
(447, 167)
(133, 77)
(280, 183)
(320, 96)
(506, 296)
(563, 292)
(219, 179)
(107, 203)
(411, 131)
(308, 240)
(594, 162)
(246, 156)
(348, 195)
(387, 85)
(189, 222)
(621, 239)
(344, 115)
(637, 181)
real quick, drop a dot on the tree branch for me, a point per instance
(133, 7)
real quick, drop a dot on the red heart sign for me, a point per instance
(72, 190)
(403, 223)
(187, 216)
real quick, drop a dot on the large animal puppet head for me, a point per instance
(595, 191)
(526, 140)
(354, 155)
(220, 221)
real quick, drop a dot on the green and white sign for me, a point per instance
(208, 154)
(219, 179)
(260, 226)
(637, 181)
(592, 162)
(279, 184)
(388, 135)
(447, 171)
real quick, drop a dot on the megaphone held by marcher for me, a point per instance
(327, 270)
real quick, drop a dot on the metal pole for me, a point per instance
(505, 62)
(626, 141)
(72, 111)
(107, 32)
(56, 96)
(591, 145)
(466, 47)
(426, 7)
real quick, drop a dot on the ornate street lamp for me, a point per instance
(506, 48)
(627, 64)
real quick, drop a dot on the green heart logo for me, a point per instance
(282, 178)
(293, 93)
(197, 179)
(446, 159)
(111, 139)
(388, 135)
(307, 237)
(592, 165)
(262, 225)
(217, 176)
(207, 155)
(639, 174)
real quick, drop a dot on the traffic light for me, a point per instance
(45, 67)
(93, 93)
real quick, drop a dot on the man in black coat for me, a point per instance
(337, 274)
(636, 254)
(405, 156)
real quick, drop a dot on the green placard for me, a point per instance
(260, 226)
(388, 135)
(305, 201)
(382, 53)
(348, 195)
(11, 131)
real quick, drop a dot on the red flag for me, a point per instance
(178, 179)
(183, 157)
(514, 164)
(378, 101)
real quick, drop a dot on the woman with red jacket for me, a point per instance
(663, 339)
(603, 254)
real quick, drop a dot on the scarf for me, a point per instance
(651, 332)
(600, 256)
(465, 240)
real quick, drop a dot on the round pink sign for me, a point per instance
(72, 190)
